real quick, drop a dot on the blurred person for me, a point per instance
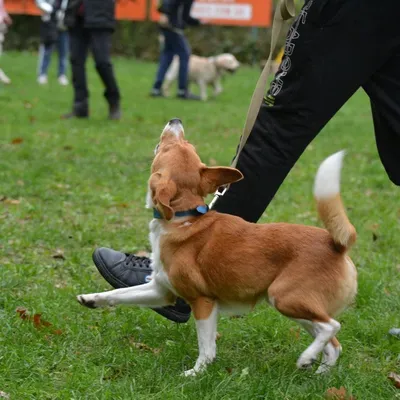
(333, 48)
(175, 16)
(5, 21)
(52, 33)
(91, 24)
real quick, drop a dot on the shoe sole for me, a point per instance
(166, 312)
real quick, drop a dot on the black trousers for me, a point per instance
(333, 48)
(99, 41)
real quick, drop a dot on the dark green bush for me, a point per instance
(140, 39)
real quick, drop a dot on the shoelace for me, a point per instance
(136, 261)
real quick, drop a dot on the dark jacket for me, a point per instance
(97, 14)
(178, 12)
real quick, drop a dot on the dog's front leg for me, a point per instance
(217, 86)
(205, 312)
(149, 294)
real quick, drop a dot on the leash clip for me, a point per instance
(219, 193)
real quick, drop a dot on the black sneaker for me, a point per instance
(156, 93)
(188, 96)
(122, 270)
(114, 112)
(76, 114)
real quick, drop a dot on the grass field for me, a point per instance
(70, 186)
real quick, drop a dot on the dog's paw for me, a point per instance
(323, 369)
(88, 301)
(190, 372)
(305, 362)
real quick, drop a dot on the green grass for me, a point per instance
(82, 184)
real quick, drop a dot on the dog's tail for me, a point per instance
(329, 202)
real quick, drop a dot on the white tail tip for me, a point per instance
(327, 180)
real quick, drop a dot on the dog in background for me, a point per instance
(221, 263)
(5, 20)
(205, 71)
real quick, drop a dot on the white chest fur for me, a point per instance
(159, 275)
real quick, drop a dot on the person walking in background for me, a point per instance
(52, 33)
(90, 24)
(5, 20)
(175, 16)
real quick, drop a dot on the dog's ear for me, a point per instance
(214, 177)
(163, 190)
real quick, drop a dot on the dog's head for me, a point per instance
(179, 180)
(227, 62)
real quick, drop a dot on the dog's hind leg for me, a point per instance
(205, 312)
(147, 295)
(203, 89)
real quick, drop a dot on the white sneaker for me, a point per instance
(63, 80)
(42, 80)
(4, 78)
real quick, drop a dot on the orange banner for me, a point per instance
(134, 10)
(228, 12)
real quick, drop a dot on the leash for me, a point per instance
(284, 11)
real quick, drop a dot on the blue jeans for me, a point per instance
(45, 52)
(174, 44)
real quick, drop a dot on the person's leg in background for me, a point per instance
(100, 43)
(79, 47)
(45, 51)
(183, 50)
(321, 69)
(63, 44)
(166, 57)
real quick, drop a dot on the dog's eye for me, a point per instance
(156, 149)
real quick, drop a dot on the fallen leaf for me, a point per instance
(218, 336)
(17, 140)
(374, 237)
(368, 192)
(123, 205)
(395, 378)
(143, 346)
(4, 395)
(6, 200)
(37, 320)
(32, 119)
(229, 370)
(338, 394)
(59, 255)
(395, 332)
(245, 372)
(67, 147)
(27, 105)
(295, 332)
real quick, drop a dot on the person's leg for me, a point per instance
(100, 41)
(45, 51)
(166, 57)
(63, 44)
(79, 47)
(384, 91)
(182, 49)
(321, 69)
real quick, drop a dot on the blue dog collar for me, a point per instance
(194, 212)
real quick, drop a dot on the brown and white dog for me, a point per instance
(204, 71)
(219, 262)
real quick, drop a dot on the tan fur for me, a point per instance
(333, 215)
(204, 71)
(226, 259)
